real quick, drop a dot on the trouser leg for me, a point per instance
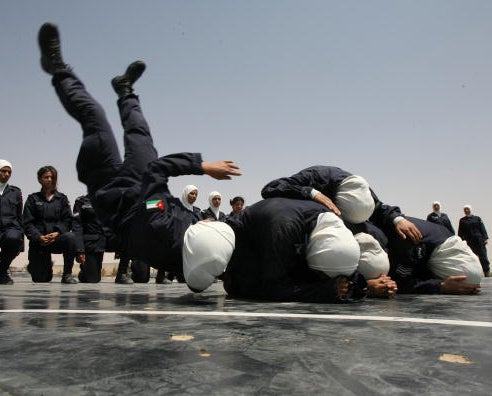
(90, 271)
(40, 265)
(10, 244)
(66, 244)
(140, 271)
(139, 146)
(99, 159)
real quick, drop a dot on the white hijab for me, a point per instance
(215, 210)
(184, 196)
(207, 249)
(4, 163)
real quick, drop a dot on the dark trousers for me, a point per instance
(11, 242)
(40, 265)
(113, 184)
(140, 271)
(90, 271)
(481, 251)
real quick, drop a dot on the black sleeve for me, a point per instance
(77, 226)
(29, 219)
(300, 185)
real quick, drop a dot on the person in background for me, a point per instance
(237, 204)
(213, 212)
(438, 217)
(92, 241)
(472, 230)
(11, 232)
(47, 222)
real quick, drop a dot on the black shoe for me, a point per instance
(6, 280)
(49, 43)
(163, 281)
(123, 279)
(123, 85)
(68, 279)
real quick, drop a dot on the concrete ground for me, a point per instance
(149, 339)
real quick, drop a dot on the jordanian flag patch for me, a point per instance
(157, 204)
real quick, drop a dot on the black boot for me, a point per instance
(49, 43)
(123, 279)
(123, 85)
(68, 279)
(5, 279)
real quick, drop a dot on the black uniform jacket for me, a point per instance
(11, 208)
(441, 219)
(208, 214)
(269, 261)
(472, 230)
(408, 261)
(326, 180)
(43, 217)
(153, 228)
(87, 227)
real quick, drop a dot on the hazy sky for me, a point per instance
(399, 92)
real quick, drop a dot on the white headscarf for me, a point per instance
(207, 249)
(436, 203)
(184, 196)
(215, 210)
(468, 207)
(332, 248)
(5, 163)
(455, 257)
(373, 260)
(354, 199)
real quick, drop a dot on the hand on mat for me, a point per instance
(383, 286)
(456, 285)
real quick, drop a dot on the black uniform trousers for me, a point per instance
(113, 185)
(40, 265)
(11, 243)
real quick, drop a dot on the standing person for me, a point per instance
(11, 232)
(47, 224)
(213, 211)
(131, 196)
(237, 204)
(188, 198)
(438, 217)
(93, 240)
(472, 230)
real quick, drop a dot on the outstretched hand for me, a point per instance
(456, 285)
(405, 228)
(324, 200)
(221, 170)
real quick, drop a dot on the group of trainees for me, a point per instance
(52, 227)
(321, 235)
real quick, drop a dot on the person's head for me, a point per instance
(373, 261)
(207, 249)
(467, 209)
(237, 204)
(332, 248)
(214, 199)
(354, 199)
(436, 206)
(5, 171)
(454, 257)
(48, 177)
(190, 194)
